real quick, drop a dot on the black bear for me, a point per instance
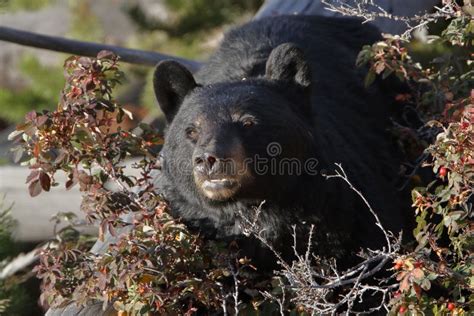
(278, 103)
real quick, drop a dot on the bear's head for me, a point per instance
(237, 140)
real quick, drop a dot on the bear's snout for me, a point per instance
(218, 177)
(207, 162)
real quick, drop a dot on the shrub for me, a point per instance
(155, 265)
(438, 275)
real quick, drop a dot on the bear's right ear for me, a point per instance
(287, 63)
(171, 82)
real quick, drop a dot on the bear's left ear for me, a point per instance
(287, 62)
(171, 82)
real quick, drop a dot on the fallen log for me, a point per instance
(89, 49)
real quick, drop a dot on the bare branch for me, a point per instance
(313, 281)
(235, 294)
(59, 44)
(281, 301)
(369, 11)
(341, 174)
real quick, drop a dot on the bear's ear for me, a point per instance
(171, 82)
(287, 62)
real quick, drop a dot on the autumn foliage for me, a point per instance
(155, 265)
(437, 276)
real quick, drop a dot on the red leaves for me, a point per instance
(106, 54)
(45, 181)
(84, 179)
(411, 276)
(41, 120)
(33, 175)
(30, 116)
(36, 150)
(82, 140)
(379, 67)
(34, 188)
(39, 181)
(33, 117)
(74, 92)
(72, 180)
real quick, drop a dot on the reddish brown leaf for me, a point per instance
(73, 179)
(401, 275)
(105, 54)
(111, 229)
(22, 126)
(405, 284)
(102, 230)
(84, 61)
(70, 183)
(30, 116)
(45, 181)
(379, 67)
(18, 154)
(33, 175)
(34, 188)
(418, 273)
(417, 289)
(84, 178)
(36, 150)
(41, 120)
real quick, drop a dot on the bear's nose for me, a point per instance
(208, 159)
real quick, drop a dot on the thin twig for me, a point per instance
(369, 11)
(342, 175)
(304, 277)
(235, 294)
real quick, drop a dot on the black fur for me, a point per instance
(174, 82)
(296, 77)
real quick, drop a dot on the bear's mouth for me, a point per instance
(219, 189)
(219, 184)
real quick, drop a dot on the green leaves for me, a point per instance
(370, 78)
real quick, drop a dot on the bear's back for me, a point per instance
(244, 50)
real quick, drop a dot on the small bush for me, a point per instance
(438, 275)
(155, 265)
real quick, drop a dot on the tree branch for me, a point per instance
(58, 44)
(315, 281)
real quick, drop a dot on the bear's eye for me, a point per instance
(192, 133)
(248, 122)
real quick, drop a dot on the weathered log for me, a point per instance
(69, 46)
(94, 309)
